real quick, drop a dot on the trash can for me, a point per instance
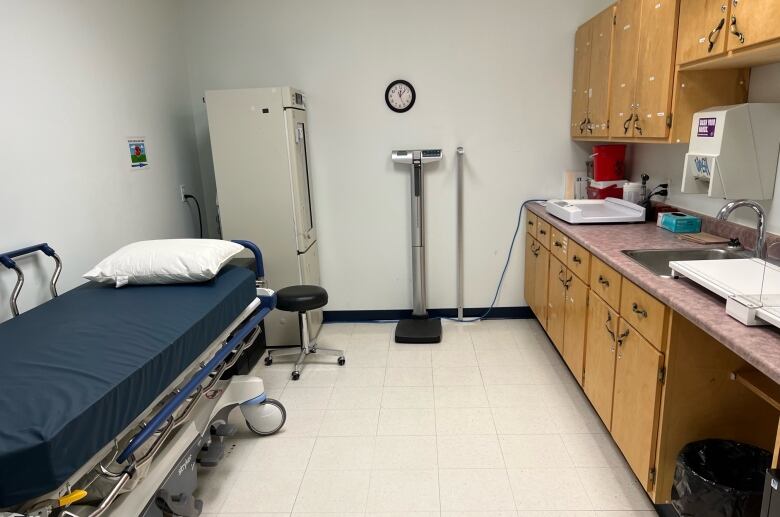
(719, 478)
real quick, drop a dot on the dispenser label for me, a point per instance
(706, 127)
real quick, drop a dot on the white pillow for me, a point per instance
(169, 261)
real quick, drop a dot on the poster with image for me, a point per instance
(139, 158)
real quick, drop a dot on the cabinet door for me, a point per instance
(556, 302)
(625, 45)
(599, 377)
(702, 30)
(752, 22)
(540, 284)
(598, 85)
(636, 402)
(530, 267)
(575, 326)
(579, 91)
(655, 68)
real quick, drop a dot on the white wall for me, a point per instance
(80, 77)
(666, 161)
(492, 76)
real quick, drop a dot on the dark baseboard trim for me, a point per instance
(393, 315)
(666, 510)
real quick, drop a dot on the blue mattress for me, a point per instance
(75, 371)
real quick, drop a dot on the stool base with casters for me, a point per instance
(302, 298)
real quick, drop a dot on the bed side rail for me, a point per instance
(259, 269)
(7, 260)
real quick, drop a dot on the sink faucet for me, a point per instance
(723, 214)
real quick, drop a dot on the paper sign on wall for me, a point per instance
(139, 158)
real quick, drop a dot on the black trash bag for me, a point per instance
(719, 478)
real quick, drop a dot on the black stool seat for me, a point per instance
(300, 298)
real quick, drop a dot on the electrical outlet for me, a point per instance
(182, 192)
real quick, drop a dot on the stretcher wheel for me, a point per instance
(342, 361)
(267, 418)
(269, 361)
(295, 375)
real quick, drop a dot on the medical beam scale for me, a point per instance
(420, 328)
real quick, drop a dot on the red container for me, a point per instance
(606, 189)
(609, 162)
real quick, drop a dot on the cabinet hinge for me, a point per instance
(662, 374)
(669, 121)
(652, 478)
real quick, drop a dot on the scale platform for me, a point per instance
(418, 330)
(595, 211)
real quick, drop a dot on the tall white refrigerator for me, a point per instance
(261, 167)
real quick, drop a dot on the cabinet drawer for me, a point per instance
(530, 225)
(543, 230)
(644, 313)
(578, 261)
(559, 244)
(605, 282)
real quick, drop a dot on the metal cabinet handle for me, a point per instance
(626, 123)
(542, 232)
(620, 339)
(561, 277)
(733, 30)
(639, 312)
(582, 125)
(637, 127)
(530, 223)
(609, 330)
(576, 259)
(567, 283)
(589, 126)
(558, 244)
(603, 281)
(714, 32)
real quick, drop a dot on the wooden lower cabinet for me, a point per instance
(575, 326)
(637, 396)
(599, 380)
(556, 302)
(540, 285)
(529, 270)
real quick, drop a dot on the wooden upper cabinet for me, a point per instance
(636, 401)
(703, 29)
(655, 68)
(752, 22)
(598, 85)
(579, 103)
(625, 45)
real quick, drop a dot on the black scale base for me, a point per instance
(423, 330)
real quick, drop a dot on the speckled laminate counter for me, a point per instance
(759, 346)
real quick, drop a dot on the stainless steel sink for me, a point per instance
(657, 261)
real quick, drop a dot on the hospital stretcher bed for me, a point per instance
(109, 396)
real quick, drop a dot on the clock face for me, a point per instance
(400, 96)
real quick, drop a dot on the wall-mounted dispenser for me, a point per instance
(734, 152)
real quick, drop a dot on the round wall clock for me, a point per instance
(400, 96)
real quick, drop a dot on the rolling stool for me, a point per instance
(302, 298)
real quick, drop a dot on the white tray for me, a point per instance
(595, 211)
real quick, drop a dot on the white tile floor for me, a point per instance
(487, 423)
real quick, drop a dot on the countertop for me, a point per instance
(759, 346)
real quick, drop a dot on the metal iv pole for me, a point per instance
(459, 224)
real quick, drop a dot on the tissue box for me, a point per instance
(679, 223)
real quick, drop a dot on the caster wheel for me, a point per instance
(295, 376)
(268, 417)
(269, 361)
(342, 361)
